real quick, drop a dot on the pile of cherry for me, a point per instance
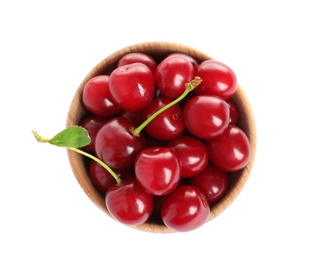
(178, 164)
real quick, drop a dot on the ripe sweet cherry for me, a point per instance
(169, 124)
(129, 203)
(97, 97)
(132, 86)
(116, 145)
(187, 57)
(193, 154)
(231, 151)
(185, 209)
(172, 74)
(217, 79)
(103, 180)
(136, 57)
(206, 116)
(212, 181)
(233, 112)
(158, 170)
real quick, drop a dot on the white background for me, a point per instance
(46, 49)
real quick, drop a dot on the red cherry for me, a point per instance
(217, 79)
(159, 200)
(206, 116)
(132, 86)
(158, 170)
(100, 177)
(97, 98)
(93, 124)
(233, 112)
(185, 209)
(103, 180)
(167, 125)
(116, 145)
(185, 56)
(133, 116)
(135, 57)
(193, 154)
(172, 74)
(129, 203)
(213, 182)
(231, 151)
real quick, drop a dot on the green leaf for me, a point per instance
(71, 137)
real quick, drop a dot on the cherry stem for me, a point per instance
(188, 88)
(105, 166)
(40, 138)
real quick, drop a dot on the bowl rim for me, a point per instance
(152, 48)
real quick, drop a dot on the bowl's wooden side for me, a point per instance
(158, 50)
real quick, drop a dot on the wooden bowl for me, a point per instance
(158, 50)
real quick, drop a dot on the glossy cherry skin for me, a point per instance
(93, 124)
(133, 116)
(167, 125)
(132, 86)
(116, 145)
(206, 116)
(185, 209)
(129, 203)
(233, 112)
(212, 181)
(97, 98)
(172, 74)
(158, 170)
(103, 180)
(135, 57)
(231, 151)
(192, 153)
(159, 200)
(217, 79)
(100, 178)
(185, 56)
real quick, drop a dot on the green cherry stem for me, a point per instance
(40, 138)
(188, 88)
(51, 141)
(105, 166)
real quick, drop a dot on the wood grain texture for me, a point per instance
(158, 50)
